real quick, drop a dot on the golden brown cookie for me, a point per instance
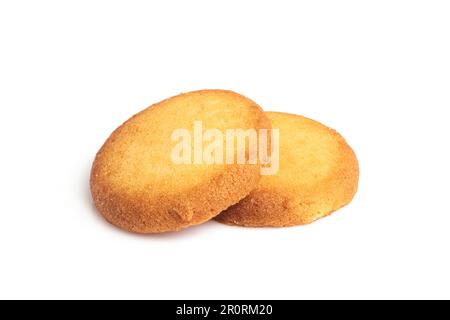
(318, 174)
(135, 182)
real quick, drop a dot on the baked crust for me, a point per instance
(318, 174)
(136, 186)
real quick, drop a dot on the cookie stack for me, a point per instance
(215, 154)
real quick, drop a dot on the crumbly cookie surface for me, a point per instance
(137, 187)
(318, 175)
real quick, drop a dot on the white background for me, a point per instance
(377, 71)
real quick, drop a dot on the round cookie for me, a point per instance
(136, 184)
(318, 174)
